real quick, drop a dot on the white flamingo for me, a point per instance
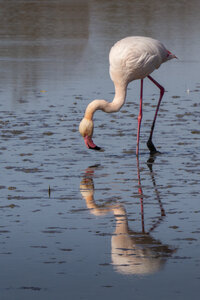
(131, 58)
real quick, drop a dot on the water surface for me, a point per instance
(79, 224)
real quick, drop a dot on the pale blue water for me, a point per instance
(69, 230)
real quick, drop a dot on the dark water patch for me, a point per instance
(36, 210)
(174, 227)
(103, 234)
(187, 239)
(66, 249)
(181, 257)
(52, 231)
(32, 288)
(78, 210)
(12, 132)
(176, 97)
(9, 206)
(26, 154)
(39, 247)
(28, 170)
(12, 188)
(9, 197)
(28, 160)
(195, 131)
(48, 133)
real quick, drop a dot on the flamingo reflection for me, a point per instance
(131, 252)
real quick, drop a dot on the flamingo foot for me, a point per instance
(152, 148)
(89, 143)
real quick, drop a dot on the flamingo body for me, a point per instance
(136, 57)
(130, 59)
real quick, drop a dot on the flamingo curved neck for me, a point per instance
(108, 107)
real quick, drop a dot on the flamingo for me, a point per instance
(131, 58)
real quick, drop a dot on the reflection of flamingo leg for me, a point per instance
(156, 191)
(141, 195)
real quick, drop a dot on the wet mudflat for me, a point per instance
(79, 224)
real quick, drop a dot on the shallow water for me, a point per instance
(79, 224)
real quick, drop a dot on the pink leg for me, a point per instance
(139, 118)
(150, 145)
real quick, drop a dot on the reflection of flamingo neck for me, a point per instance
(121, 220)
(90, 202)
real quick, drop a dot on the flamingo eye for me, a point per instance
(168, 53)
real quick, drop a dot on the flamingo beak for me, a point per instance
(89, 143)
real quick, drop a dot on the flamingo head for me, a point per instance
(86, 130)
(170, 55)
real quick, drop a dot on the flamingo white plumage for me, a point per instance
(131, 58)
